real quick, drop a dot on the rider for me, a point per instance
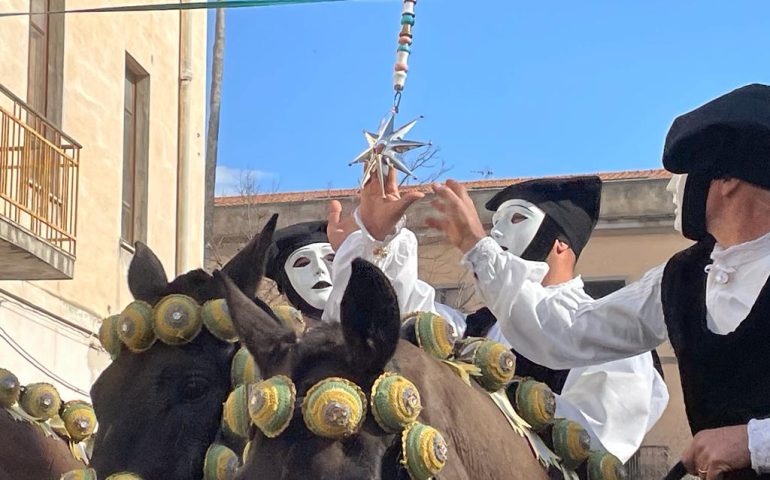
(545, 221)
(711, 300)
(299, 261)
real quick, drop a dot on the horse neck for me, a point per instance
(26, 452)
(481, 442)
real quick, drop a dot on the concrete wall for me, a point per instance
(635, 233)
(95, 48)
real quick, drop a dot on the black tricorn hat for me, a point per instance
(727, 137)
(572, 203)
(289, 239)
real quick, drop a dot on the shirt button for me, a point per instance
(721, 277)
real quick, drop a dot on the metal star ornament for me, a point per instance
(386, 148)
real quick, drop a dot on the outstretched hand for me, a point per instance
(457, 216)
(718, 451)
(379, 214)
(338, 228)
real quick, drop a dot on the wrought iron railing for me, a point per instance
(38, 174)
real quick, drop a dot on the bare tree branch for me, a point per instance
(428, 160)
(249, 221)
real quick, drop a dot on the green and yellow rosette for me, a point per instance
(246, 451)
(108, 335)
(395, 402)
(79, 420)
(244, 370)
(177, 320)
(10, 388)
(424, 451)
(216, 317)
(603, 465)
(235, 414)
(40, 400)
(536, 403)
(570, 442)
(291, 318)
(497, 364)
(80, 474)
(271, 404)
(334, 408)
(124, 476)
(221, 463)
(135, 326)
(434, 334)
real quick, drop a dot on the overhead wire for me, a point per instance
(211, 4)
(37, 364)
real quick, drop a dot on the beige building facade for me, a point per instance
(101, 145)
(634, 234)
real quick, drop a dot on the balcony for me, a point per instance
(38, 194)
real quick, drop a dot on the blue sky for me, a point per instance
(517, 88)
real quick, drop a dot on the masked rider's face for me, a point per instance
(308, 270)
(676, 188)
(515, 224)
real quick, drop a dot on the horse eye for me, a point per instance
(194, 389)
(301, 262)
(517, 218)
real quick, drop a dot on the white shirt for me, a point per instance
(617, 402)
(569, 331)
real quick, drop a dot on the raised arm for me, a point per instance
(382, 239)
(557, 331)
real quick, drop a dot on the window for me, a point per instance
(449, 296)
(136, 110)
(46, 60)
(37, 83)
(459, 297)
(650, 461)
(602, 288)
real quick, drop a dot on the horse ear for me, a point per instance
(247, 267)
(146, 278)
(370, 317)
(266, 339)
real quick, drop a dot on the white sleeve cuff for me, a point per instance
(482, 260)
(483, 253)
(759, 445)
(368, 236)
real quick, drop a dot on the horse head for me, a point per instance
(354, 352)
(160, 409)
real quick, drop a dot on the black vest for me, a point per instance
(725, 378)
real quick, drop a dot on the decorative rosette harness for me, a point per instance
(175, 320)
(335, 408)
(40, 404)
(529, 406)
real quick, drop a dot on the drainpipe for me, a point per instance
(184, 179)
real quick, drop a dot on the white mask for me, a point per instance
(515, 224)
(308, 269)
(676, 187)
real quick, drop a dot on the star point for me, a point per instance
(386, 149)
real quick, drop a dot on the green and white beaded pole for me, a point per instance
(387, 145)
(401, 67)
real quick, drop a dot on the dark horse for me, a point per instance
(26, 453)
(159, 410)
(481, 443)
